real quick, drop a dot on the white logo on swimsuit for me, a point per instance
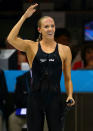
(43, 60)
(52, 60)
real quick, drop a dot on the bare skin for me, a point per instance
(48, 45)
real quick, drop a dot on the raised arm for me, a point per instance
(13, 38)
(67, 76)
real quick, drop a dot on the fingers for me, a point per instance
(73, 103)
(30, 10)
(70, 102)
(33, 6)
(34, 10)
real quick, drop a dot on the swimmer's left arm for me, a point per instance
(67, 75)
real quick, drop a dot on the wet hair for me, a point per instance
(39, 25)
(39, 38)
(84, 49)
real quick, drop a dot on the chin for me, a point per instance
(51, 37)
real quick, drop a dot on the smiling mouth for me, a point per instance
(50, 33)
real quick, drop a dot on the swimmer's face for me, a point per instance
(47, 28)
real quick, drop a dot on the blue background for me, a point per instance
(82, 80)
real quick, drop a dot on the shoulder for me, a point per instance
(64, 48)
(65, 51)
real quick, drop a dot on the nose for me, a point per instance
(50, 28)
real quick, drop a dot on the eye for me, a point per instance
(46, 26)
(52, 26)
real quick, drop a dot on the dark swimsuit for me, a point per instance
(44, 98)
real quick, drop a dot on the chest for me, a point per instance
(51, 60)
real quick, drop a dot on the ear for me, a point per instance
(39, 30)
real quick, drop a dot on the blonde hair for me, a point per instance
(39, 25)
(40, 20)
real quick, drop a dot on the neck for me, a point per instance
(48, 42)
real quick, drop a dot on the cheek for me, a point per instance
(44, 30)
(54, 29)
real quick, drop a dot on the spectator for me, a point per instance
(77, 62)
(16, 121)
(21, 59)
(87, 56)
(85, 60)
